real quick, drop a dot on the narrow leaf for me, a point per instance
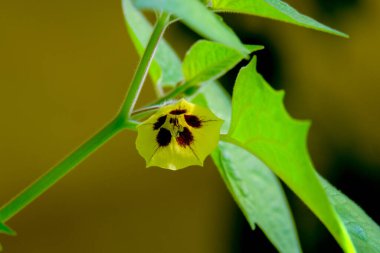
(6, 230)
(165, 70)
(364, 232)
(195, 15)
(252, 185)
(250, 182)
(261, 125)
(274, 9)
(207, 60)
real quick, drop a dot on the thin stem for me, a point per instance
(61, 169)
(144, 65)
(148, 110)
(122, 121)
(175, 92)
(144, 110)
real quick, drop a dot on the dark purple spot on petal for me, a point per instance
(193, 121)
(163, 137)
(178, 111)
(185, 138)
(160, 121)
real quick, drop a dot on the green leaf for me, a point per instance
(195, 15)
(261, 125)
(250, 182)
(6, 230)
(252, 185)
(165, 70)
(207, 60)
(274, 9)
(204, 62)
(364, 232)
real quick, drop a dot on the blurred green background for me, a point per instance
(64, 70)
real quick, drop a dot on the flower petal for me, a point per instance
(178, 135)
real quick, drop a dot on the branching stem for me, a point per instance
(143, 67)
(122, 121)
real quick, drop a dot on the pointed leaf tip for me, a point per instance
(273, 9)
(208, 60)
(6, 230)
(261, 125)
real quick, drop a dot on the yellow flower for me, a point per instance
(178, 135)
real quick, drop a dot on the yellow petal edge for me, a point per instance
(178, 135)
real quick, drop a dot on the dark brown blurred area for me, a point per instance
(64, 70)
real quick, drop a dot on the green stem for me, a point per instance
(61, 169)
(175, 92)
(145, 110)
(121, 122)
(144, 65)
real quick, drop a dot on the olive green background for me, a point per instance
(64, 70)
